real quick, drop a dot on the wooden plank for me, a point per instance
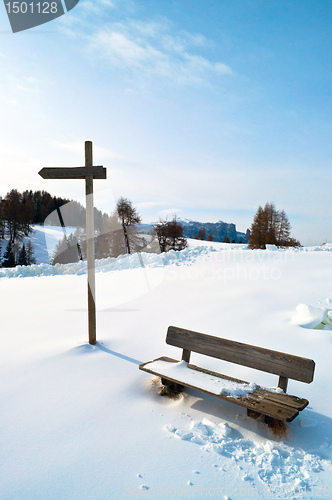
(255, 403)
(98, 172)
(280, 398)
(286, 365)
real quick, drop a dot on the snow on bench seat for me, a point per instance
(270, 402)
(179, 371)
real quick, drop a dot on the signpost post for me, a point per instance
(89, 172)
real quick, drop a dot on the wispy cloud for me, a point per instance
(29, 84)
(150, 49)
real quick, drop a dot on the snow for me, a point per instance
(180, 371)
(280, 468)
(308, 316)
(133, 261)
(83, 422)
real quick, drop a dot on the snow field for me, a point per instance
(133, 261)
(267, 466)
(82, 422)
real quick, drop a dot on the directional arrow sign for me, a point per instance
(89, 172)
(73, 172)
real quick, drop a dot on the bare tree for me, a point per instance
(170, 235)
(128, 217)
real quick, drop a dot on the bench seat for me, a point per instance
(259, 400)
(275, 404)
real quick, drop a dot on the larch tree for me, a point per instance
(128, 218)
(270, 227)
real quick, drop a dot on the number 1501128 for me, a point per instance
(32, 7)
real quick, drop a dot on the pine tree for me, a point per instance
(201, 235)
(66, 251)
(22, 257)
(210, 237)
(30, 251)
(9, 256)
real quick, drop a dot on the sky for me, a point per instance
(201, 108)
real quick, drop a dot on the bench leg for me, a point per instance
(170, 388)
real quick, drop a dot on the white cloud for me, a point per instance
(148, 48)
(29, 84)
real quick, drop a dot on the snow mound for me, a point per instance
(134, 261)
(275, 465)
(317, 318)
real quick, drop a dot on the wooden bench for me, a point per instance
(258, 401)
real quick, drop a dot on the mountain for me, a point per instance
(218, 230)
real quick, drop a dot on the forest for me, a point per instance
(20, 211)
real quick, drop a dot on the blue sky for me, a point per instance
(203, 108)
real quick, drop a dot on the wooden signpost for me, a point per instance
(89, 172)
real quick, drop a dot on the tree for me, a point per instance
(2, 219)
(22, 257)
(201, 235)
(210, 237)
(226, 239)
(28, 212)
(272, 227)
(170, 235)
(9, 256)
(30, 251)
(128, 217)
(66, 251)
(110, 241)
(13, 215)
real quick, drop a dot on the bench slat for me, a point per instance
(256, 402)
(277, 397)
(286, 365)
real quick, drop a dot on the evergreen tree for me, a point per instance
(29, 252)
(66, 251)
(201, 235)
(226, 239)
(22, 257)
(210, 237)
(9, 256)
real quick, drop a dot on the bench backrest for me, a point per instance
(278, 363)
